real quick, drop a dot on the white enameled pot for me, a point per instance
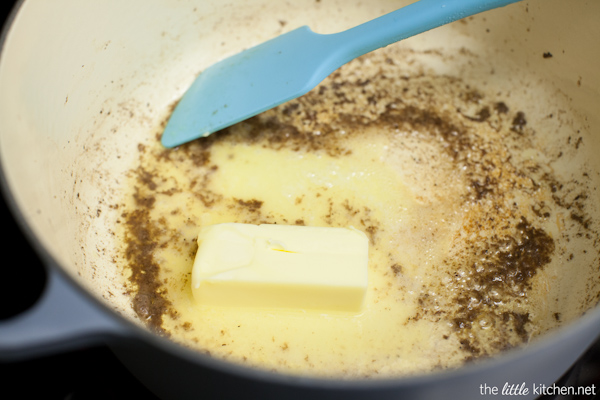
(83, 83)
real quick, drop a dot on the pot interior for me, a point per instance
(87, 88)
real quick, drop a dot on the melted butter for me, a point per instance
(318, 190)
(294, 177)
(468, 224)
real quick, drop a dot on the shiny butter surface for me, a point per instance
(281, 266)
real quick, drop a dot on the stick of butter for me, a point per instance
(281, 266)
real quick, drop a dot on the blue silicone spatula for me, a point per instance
(290, 65)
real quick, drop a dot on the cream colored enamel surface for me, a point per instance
(281, 266)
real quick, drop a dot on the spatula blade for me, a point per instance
(247, 84)
(290, 65)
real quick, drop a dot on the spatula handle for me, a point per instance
(405, 22)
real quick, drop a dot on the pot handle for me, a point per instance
(64, 318)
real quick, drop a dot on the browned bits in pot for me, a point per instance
(464, 148)
(501, 107)
(519, 122)
(252, 205)
(499, 271)
(149, 301)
